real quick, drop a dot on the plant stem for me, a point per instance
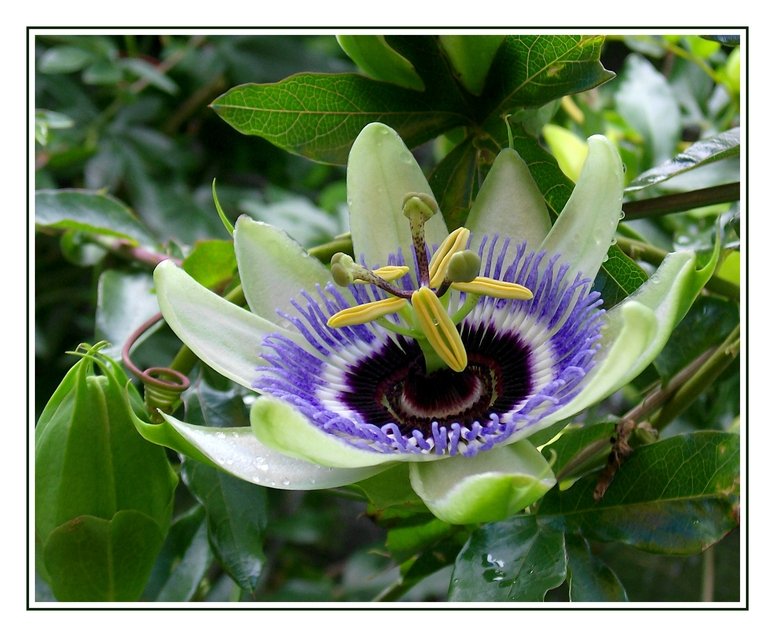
(325, 251)
(679, 202)
(709, 370)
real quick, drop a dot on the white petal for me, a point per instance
(273, 268)
(585, 228)
(236, 450)
(380, 173)
(220, 333)
(510, 204)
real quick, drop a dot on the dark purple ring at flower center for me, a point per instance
(392, 386)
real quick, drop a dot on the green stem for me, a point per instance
(325, 251)
(679, 202)
(688, 392)
(641, 251)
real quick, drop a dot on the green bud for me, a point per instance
(464, 266)
(103, 495)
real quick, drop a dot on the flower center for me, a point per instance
(393, 386)
(424, 310)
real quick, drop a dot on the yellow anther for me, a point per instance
(390, 272)
(439, 329)
(486, 286)
(455, 242)
(367, 312)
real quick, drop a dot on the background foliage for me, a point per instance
(132, 130)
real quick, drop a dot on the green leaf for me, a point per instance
(46, 120)
(212, 262)
(706, 325)
(148, 72)
(454, 182)
(90, 559)
(471, 56)
(675, 496)
(579, 445)
(236, 520)
(125, 300)
(619, 277)
(319, 116)
(645, 99)
(515, 560)
(589, 579)
(92, 212)
(184, 559)
(701, 153)
(236, 510)
(64, 59)
(391, 496)
(408, 540)
(375, 56)
(531, 70)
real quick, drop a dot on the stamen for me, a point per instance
(366, 312)
(492, 287)
(442, 258)
(346, 271)
(439, 329)
(389, 272)
(418, 208)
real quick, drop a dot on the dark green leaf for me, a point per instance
(707, 324)
(454, 182)
(676, 496)
(515, 560)
(93, 212)
(644, 98)
(124, 302)
(319, 116)
(584, 447)
(184, 560)
(90, 559)
(211, 262)
(405, 541)
(236, 520)
(471, 56)
(727, 40)
(706, 151)
(391, 497)
(531, 70)
(236, 511)
(378, 60)
(589, 579)
(619, 277)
